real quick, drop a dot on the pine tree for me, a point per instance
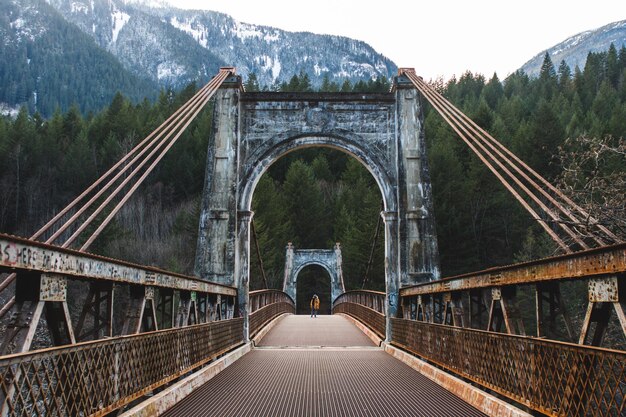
(252, 84)
(547, 71)
(548, 80)
(565, 76)
(493, 92)
(612, 66)
(546, 133)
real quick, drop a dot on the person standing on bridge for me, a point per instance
(315, 305)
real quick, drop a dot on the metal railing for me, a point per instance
(95, 378)
(267, 304)
(366, 306)
(556, 378)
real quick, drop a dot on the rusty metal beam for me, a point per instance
(19, 254)
(608, 260)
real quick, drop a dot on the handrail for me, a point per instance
(265, 305)
(583, 264)
(18, 253)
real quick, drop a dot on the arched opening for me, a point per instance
(314, 197)
(313, 279)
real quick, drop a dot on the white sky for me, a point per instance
(436, 37)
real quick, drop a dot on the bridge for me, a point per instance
(148, 341)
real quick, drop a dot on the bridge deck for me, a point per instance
(320, 367)
(324, 330)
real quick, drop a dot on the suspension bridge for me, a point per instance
(148, 341)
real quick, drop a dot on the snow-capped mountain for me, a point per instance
(574, 50)
(174, 46)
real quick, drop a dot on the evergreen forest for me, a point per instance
(568, 124)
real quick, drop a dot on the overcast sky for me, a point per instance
(436, 37)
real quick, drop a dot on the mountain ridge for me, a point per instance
(574, 49)
(216, 39)
(99, 47)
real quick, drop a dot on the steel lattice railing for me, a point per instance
(267, 304)
(559, 379)
(95, 378)
(366, 306)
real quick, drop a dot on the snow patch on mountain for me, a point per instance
(26, 28)
(77, 7)
(119, 19)
(154, 4)
(193, 44)
(196, 31)
(7, 110)
(276, 69)
(169, 71)
(17, 24)
(244, 31)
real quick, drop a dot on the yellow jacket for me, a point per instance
(315, 303)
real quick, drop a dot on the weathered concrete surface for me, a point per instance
(298, 259)
(215, 252)
(383, 131)
(419, 252)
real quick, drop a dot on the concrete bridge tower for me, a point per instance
(383, 131)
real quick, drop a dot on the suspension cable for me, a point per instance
(192, 107)
(371, 258)
(112, 169)
(508, 186)
(223, 74)
(473, 133)
(155, 144)
(435, 98)
(480, 135)
(258, 254)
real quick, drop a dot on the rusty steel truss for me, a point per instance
(95, 378)
(488, 299)
(19, 254)
(139, 298)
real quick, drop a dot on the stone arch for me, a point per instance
(252, 130)
(298, 259)
(264, 157)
